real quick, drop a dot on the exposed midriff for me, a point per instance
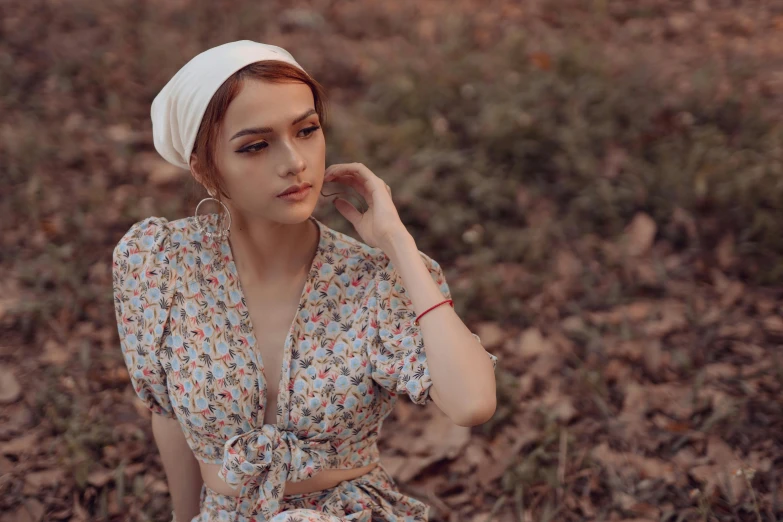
(324, 480)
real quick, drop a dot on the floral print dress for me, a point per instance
(352, 348)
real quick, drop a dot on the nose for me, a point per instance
(291, 160)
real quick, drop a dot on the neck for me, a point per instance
(270, 251)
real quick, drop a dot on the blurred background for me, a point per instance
(602, 181)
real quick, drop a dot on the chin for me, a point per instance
(295, 213)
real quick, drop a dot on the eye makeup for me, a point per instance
(253, 148)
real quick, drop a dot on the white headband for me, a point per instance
(178, 108)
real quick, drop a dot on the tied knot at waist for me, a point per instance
(264, 459)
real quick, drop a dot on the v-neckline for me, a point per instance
(282, 385)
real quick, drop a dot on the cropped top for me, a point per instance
(188, 343)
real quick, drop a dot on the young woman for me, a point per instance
(270, 347)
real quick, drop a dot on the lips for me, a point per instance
(295, 188)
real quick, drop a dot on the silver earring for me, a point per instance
(223, 234)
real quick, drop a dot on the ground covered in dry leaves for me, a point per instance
(602, 181)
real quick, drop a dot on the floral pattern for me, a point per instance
(373, 496)
(351, 350)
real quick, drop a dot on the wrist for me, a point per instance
(397, 242)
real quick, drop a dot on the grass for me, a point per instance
(599, 145)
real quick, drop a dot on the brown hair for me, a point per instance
(274, 71)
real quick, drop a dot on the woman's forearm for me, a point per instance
(182, 471)
(463, 378)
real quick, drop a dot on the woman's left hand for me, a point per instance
(380, 222)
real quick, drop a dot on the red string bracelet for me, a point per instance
(416, 322)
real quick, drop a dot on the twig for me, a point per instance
(561, 467)
(519, 501)
(499, 503)
(748, 474)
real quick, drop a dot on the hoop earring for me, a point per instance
(223, 234)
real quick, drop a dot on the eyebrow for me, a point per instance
(265, 130)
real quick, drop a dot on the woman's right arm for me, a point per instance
(182, 470)
(146, 268)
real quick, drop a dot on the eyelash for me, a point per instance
(251, 149)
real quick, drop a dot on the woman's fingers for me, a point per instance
(348, 211)
(356, 171)
(357, 176)
(357, 185)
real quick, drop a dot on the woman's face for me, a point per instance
(271, 139)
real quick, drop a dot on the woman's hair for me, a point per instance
(268, 70)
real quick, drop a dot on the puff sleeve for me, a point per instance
(144, 272)
(397, 354)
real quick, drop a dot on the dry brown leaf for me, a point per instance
(674, 400)
(6, 466)
(711, 316)
(773, 326)
(37, 480)
(672, 318)
(633, 312)
(430, 440)
(10, 389)
(732, 294)
(633, 466)
(753, 351)
(21, 445)
(475, 453)
(79, 513)
(646, 274)
(639, 234)
(533, 344)
(677, 427)
(35, 509)
(541, 60)
(100, 477)
(558, 405)
(395, 465)
(484, 516)
(120, 132)
(158, 486)
(617, 371)
(20, 514)
(615, 159)
(441, 437)
(411, 466)
(632, 350)
(491, 333)
(504, 450)
(654, 358)
(765, 306)
(114, 505)
(131, 470)
(686, 459)
(635, 406)
(567, 265)
(720, 370)
(55, 353)
(526, 385)
(725, 252)
(742, 330)
(682, 218)
(573, 324)
(721, 473)
(159, 172)
(545, 365)
(586, 505)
